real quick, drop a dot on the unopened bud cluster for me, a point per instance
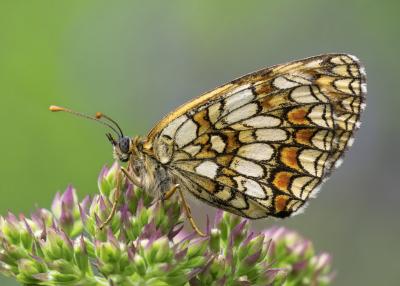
(145, 244)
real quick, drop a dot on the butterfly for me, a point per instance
(258, 146)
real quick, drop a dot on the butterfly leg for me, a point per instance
(117, 195)
(167, 195)
(134, 180)
(188, 211)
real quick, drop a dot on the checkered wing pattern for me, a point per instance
(262, 144)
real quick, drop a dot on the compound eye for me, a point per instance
(124, 144)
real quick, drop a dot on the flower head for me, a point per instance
(145, 241)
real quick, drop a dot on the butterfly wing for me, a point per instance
(262, 144)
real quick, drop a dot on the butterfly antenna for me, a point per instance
(100, 115)
(55, 108)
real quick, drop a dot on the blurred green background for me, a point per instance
(136, 61)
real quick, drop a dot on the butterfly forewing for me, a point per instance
(262, 144)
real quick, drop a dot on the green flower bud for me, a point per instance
(28, 268)
(140, 265)
(107, 180)
(197, 249)
(64, 271)
(107, 252)
(81, 256)
(162, 248)
(10, 229)
(215, 237)
(57, 246)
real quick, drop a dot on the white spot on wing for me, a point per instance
(302, 94)
(208, 169)
(214, 112)
(186, 133)
(250, 187)
(319, 141)
(271, 135)
(300, 78)
(241, 113)
(238, 89)
(313, 64)
(256, 151)
(282, 83)
(246, 167)
(262, 121)
(170, 130)
(192, 149)
(321, 97)
(217, 143)
(237, 100)
(320, 115)
(307, 159)
(337, 60)
(298, 184)
(254, 189)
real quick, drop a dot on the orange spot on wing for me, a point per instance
(224, 160)
(206, 152)
(272, 101)
(202, 140)
(225, 180)
(298, 116)
(303, 136)
(264, 88)
(325, 82)
(281, 202)
(228, 172)
(206, 184)
(232, 142)
(289, 157)
(200, 118)
(282, 180)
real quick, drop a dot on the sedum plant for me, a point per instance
(145, 244)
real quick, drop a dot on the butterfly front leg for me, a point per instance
(134, 179)
(117, 195)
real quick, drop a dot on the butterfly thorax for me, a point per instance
(152, 175)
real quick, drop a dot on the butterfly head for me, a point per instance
(121, 147)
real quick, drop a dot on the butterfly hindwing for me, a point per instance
(262, 144)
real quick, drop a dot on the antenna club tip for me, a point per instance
(55, 108)
(99, 115)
